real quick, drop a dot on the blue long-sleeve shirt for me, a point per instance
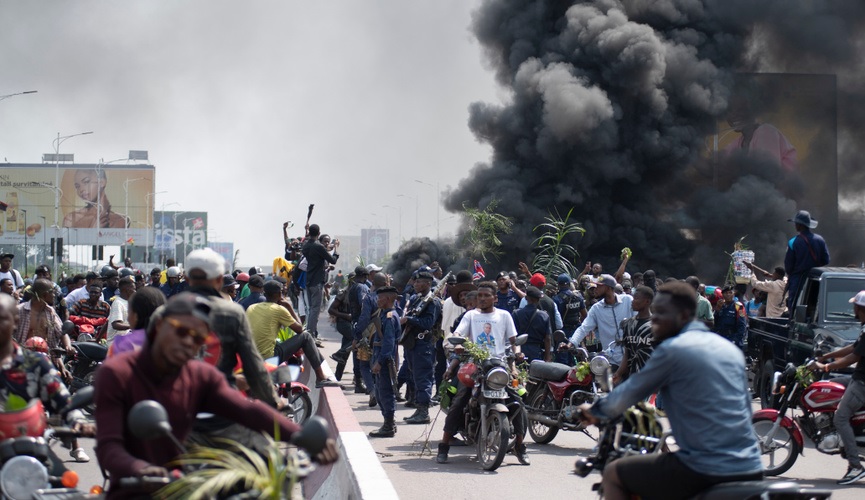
(390, 330)
(369, 303)
(802, 250)
(427, 318)
(702, 379)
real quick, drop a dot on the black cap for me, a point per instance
(387, 289)
(5, 255)
(256, 280)
(90, 276)
(360, 271)
(155, 270)
(503, 274)
(533, 292)
(424, 276)
(228, 280)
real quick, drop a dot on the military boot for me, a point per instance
(359, 388)
(421, 416)
(387, 430)
(442, 456)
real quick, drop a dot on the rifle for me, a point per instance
(420, 307)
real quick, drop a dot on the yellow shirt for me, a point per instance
(282, 267)
(265, 319)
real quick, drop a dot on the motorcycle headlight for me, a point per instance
(497, 378)
(21, 476)
(599, 366)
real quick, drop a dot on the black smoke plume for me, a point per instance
(418, 252)
(610, 104)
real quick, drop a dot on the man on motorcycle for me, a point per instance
(702, 379)
(854, 396)
(474, 327)
(162, 370)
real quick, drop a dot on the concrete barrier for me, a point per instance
(358, 473)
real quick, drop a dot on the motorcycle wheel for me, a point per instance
(542, 433)
(493, 441)
(779, 455)
(299, 408)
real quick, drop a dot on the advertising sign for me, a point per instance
(224, 248)
(178, 233)
(97, 204)
(374, 244)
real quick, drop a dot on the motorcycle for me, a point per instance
(82, 365)
(492, 407)
(637, 432)
(556, 390)
(298, 405)
(28, 466)
(781, 437)
(148, 420)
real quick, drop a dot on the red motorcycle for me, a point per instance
(556, 390)
(780, 436)
(295, 395)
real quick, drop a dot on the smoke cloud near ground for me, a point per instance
(608, 110)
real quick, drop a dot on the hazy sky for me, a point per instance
(253, 110)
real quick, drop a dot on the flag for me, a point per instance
(197, 223)
(130, 241)
(479, 272)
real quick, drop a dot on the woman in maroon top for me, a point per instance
(164, 370)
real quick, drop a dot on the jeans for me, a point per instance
(302, 341)
(854, 398)
(313, 294)
(421, 359)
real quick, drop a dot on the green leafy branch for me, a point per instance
(485, 227)
(554, 256)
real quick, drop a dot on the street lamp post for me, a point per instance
(126, 184)
(44, 239)
(149, 224)
(415, 211)
(174, 235)
(26, 260)
(438, 203)
(57, 142)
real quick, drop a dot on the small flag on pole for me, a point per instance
(130, 241)
(479, 272)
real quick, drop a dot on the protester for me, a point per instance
(317, 256)
(636, 335)
(173, 282)
(805, 251)
(90, 314)
(255, 295)
(6, 270)
(605, 318)
(119, 314)
(704, 307)
(82, 291)
(775, 288)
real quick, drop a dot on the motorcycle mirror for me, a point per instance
(148, 420)
(80, 399)
(582, 354)
(68, 328)
(313, 436)
(456, 340)
(559, 337)
(521, 339)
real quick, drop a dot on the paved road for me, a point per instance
(417, 476)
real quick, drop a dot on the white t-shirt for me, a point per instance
(119, 311)
(13, 275)
(488, 330)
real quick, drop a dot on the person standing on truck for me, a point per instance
(805, 251)
(854, 396)
(774, 287)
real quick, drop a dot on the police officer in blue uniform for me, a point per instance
(535, 322)
(418, 339)
(383, 359)
(730, 318)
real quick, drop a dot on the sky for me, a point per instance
(251, 111)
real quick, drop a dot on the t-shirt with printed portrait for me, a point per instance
(488, 330)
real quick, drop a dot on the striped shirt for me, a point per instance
(85, 309)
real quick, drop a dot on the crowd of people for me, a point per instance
(648, 325)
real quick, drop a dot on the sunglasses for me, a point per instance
(183, 331)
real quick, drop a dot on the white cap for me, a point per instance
(859, 299)
(207, 260)
(372, 268)
(172, 272)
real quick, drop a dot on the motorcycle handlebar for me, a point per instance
(137, 482)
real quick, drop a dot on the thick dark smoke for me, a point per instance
(418, 252)
(609, 108)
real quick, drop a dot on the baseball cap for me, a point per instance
(172, 272)
(859, 299)
(257, 281)
(564, 279)
(538, 280)
(372, 268)
(607, 280)
(207, 260)
(502, 274)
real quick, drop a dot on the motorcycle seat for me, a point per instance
(754, 489)
(92, 350)
(555, 372)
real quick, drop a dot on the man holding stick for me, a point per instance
(317, 258)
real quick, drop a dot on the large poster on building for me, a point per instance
(178, 233)
(226, 250)
(85, 204)
(374, 244)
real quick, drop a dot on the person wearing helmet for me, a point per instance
(37, 344)
(173, 285)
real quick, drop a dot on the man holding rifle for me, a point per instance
(418, 339)
(383, 356)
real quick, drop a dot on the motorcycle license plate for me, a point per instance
(495, 394)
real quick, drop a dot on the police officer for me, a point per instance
(383, 359)
(571, 305)
(535, 322)
(730, 318)
(422, 314)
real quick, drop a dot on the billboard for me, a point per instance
(226, 250)
(374, 244)
(178, 233)
(97, 204)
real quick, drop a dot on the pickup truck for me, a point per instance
(821, 314)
